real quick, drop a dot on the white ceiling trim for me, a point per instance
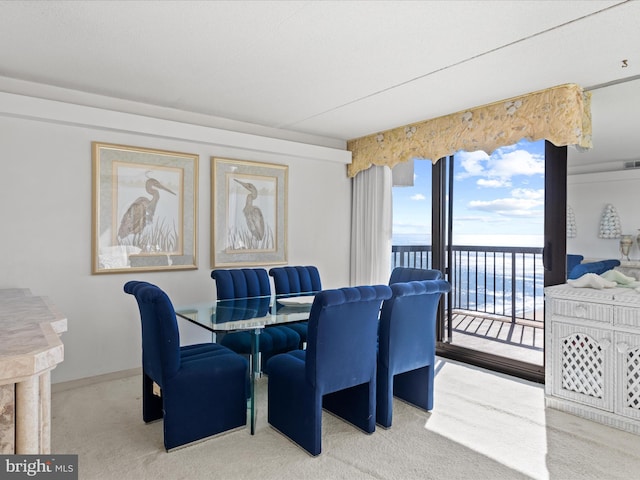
(22, 106)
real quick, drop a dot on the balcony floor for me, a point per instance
(522, 340)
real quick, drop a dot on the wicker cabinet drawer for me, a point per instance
(627, 316)
(595, 312)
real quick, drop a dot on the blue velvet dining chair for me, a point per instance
(295, 281)
(151, 404)
(245, 283)
(406, 274)
(406, 346)
(203, 387)
(337, 371)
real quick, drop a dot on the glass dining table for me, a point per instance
(251, 314)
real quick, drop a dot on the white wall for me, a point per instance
(46, 213)
(588, 194)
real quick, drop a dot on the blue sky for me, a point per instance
(501, 194)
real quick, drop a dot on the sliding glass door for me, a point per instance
(491, 218)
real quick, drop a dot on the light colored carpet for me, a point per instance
(484, 426)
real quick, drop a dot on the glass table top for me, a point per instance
(248, 313)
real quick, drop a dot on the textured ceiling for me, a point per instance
(336, 69)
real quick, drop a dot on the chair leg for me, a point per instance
(384, 398)
(294, 408)
(151, 403)
(356, 405)
(416, 387)
(194, 411)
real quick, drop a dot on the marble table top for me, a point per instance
(29, 335)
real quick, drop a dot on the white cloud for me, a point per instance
(522, 203)
(528, 193)
(472, 163)
(517, 162)
(418, 196)
(493, 183)
(502, 165)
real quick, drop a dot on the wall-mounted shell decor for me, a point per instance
(610, 223)
(572, 231)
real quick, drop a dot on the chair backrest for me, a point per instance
(341, 343)
(160, 335)
(408, 322)
(296, 280)
(241, 283)
(405, 274)
(132, 287)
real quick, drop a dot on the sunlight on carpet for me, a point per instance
(484, 426)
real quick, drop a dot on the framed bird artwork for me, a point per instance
(249, 205)
(144, 209)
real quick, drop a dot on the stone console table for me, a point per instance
(30, 347)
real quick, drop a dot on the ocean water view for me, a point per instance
(494, 204)
(483, 240)
(494, 274)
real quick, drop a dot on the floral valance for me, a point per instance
(560, 114)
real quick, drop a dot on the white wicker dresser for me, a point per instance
(592, 354)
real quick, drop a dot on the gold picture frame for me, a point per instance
(249, 213)
(144, 209)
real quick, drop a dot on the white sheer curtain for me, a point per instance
(371, 226)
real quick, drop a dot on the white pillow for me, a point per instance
(619, 277)
(591, 280)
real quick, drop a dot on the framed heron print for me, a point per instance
(249, 209)
(144, 209)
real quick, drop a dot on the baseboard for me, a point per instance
(594, 414)
(83, 382)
